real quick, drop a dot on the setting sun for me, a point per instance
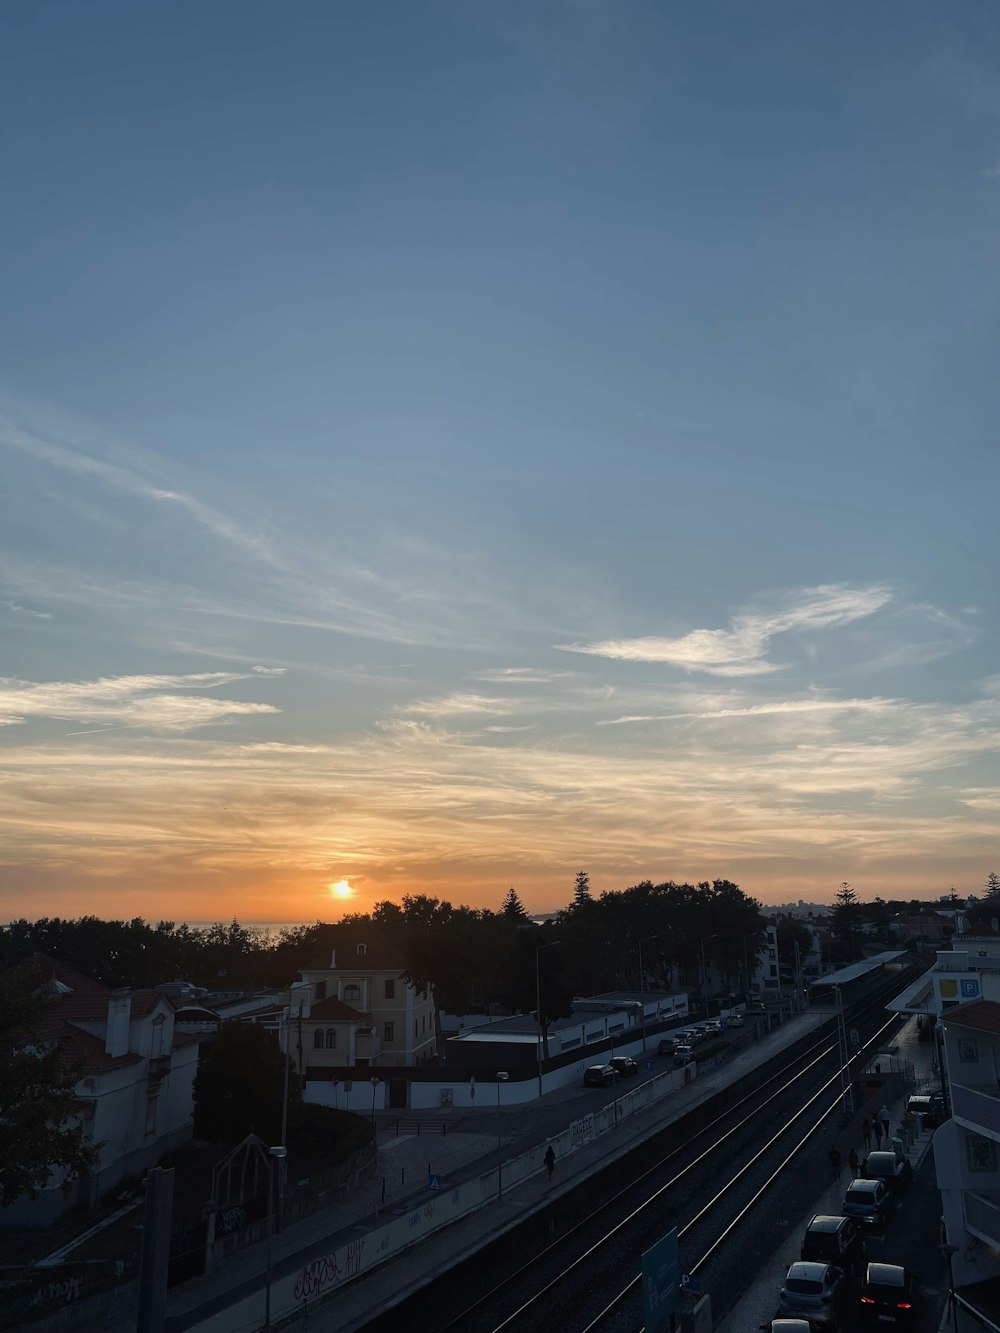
(341, 889)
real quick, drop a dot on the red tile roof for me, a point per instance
(382, 952)
(333, 1009)
(980, 1015)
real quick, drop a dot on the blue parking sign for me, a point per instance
(661, 1270)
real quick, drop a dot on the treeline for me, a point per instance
(472, 957)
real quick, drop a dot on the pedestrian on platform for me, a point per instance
(550, 1160)
(853, 1163)
(877, 1131)
(866, 1132)
(834, 1155)
(885, 1117)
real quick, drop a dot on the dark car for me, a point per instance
(889, 1296)
(624, 1066)
(683, 1055)
(667, 1045)
(891, 1166)
(789, 1325)
(870, 1201)
(835, 1240)
(599, 1076)
(929, 1107)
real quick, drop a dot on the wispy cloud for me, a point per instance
(780, 708)
(161, 703)
(740, 650)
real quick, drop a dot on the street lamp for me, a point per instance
(642, 1002)
(538, 1005)
(949, 1251)
(375, 1082)
(704, 968)
(278, 1155)
(502, 1077)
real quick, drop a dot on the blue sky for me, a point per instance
(446, 446)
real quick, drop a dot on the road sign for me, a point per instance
(661, 1268)
(690, 1283)
(435, 1182)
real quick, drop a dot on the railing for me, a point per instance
(978, 1108)
(982, 1217)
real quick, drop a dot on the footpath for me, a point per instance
(232, 1300)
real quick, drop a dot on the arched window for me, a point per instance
(331, 1039)
(318, 1039)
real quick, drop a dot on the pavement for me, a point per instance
(469, 1148)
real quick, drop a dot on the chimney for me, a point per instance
(119, 1015)
(333, 958)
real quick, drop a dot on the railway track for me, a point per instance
(714, 1183)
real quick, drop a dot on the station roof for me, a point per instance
(855, 971)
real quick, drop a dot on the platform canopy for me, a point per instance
(855, 971)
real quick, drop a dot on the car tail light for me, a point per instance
(867, 1300)
(903, 1305)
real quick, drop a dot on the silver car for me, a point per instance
(815, 1292)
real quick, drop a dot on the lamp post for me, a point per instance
(538, 1005)
(949, 1251)
(284, 1104)
(642, 987)
(502, 1077)
(278, 1155)
(704, 968)
(375, 1082)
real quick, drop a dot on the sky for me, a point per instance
(447, 446)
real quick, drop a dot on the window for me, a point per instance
(151, 1101)
(352, 992)
(320, 990)
(331, 1039)
(318, 1039)
(362, 950)
(390, 990)
(387, 1030)
(416, 1028)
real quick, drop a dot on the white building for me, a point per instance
(134, 1095)
(356, 1010)
(967, 1147)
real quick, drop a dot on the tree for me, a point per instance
(38, 1136)
(513, 908)
(844, 919)
(238, 1087)
(993, 885)
(581, 890)
(792, 932)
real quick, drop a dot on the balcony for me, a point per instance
(159, 1067)
(982, 1216)
(978, 1108)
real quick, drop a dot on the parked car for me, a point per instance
(889, 1296)
(667, 1046)
(713, 1029)
(929, 1107)
(624, 1065)
(599, 1076)
(835, 1240)
(782, 1325)
(868, 1200)
(815, 1292)
(891, 1166)
(693, 1036)
(733, 1021)
(683, 1055)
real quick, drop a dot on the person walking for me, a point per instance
(885, 1117)
(550, 1160)
(877, 1131)
(866, 1133)
(853, 1163)
(834, 1155)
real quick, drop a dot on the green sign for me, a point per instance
(661, 1272)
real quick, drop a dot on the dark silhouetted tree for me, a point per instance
(512, 908)
(993, 885)
(581, 889)
(38, 1136)
(238, 1087)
